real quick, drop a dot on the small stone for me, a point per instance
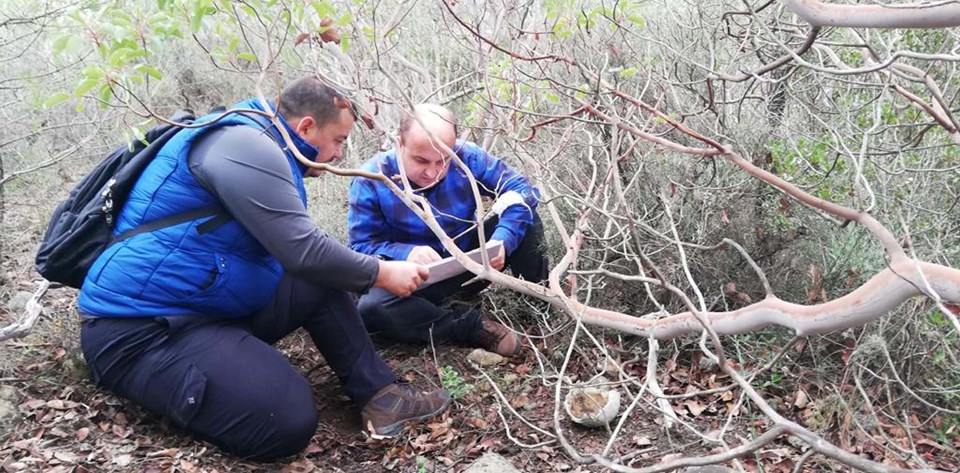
(491, 463)
(706, 363)
(592, 407)
(797, 443)
(18, 303)
(484, 358)
(9, 400)
(122, 460)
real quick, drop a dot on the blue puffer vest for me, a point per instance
(176, 270)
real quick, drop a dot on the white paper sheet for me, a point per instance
(450, 267)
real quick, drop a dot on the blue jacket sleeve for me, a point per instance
(516, 199)
(367, 226)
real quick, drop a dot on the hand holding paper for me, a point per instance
(449, 267)
(423, 255)
(497, 262)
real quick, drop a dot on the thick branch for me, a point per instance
(818, 13)
(29, 319)
(886, 238)
(878, 296)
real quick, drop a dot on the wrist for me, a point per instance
(381, 273)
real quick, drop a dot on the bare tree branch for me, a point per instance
(917, 15)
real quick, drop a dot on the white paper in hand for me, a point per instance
(450, 267)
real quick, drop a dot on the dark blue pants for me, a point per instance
(223, 381)
(428, 314)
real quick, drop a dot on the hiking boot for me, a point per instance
(397, 403)
(495, 337)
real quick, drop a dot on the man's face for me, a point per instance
(424, 161)
(327, 138)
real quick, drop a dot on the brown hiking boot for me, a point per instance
(496, 338)
(397, 403)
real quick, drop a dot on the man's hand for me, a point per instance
(498, 261)
(401, 278)
(423, 255)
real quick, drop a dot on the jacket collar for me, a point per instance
(306, 149)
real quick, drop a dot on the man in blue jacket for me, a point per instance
(181, 319)
(381, 225)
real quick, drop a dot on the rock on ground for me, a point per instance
(9, 414)
(484, 358)
(18, 302)
(706, 469)
(491, 463)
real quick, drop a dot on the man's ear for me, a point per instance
(304, 125)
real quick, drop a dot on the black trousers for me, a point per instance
(424, 316)
(222, 380)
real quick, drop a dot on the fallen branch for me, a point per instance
(816, 13)
(32, 314)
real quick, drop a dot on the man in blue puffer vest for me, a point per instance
(181, 320)
(380, 224)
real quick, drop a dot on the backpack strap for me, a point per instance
(268, 127)
(221, 216)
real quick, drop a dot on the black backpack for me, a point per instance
(82, 225)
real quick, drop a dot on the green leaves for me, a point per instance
(86, 86)
(126, 46)
(454, 383)
(324, 9)
(138, 133)
(124, 55)
(56, 99)
(92, 76)
(200, 9)
(67, 44)
(637, 20)
(106, 93)
(149, 70)
(163, 25)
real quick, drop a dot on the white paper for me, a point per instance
(450, 267)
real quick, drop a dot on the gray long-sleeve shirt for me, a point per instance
(250, 175)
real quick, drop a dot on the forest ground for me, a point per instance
(68, 425)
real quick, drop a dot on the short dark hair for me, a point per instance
(408, 119)
(310, 96)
